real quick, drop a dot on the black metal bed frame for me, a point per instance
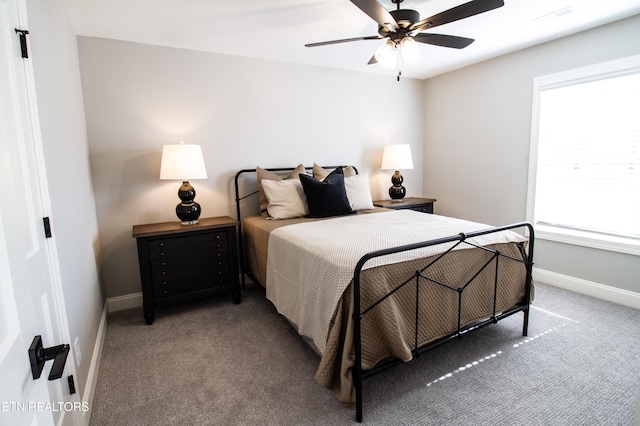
(420, 277)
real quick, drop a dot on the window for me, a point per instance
(584, 175)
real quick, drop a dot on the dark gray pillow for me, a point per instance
(328, 197)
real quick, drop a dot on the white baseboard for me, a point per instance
(590, 288)
(600, 291)
(120, 303)
(92, 378)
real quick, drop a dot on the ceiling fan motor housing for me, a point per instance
(405, 18)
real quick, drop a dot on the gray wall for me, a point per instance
(477, 133)
(244, 113)
(74, 223)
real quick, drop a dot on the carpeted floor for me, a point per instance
(210, 362)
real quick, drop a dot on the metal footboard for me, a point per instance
(420, 277)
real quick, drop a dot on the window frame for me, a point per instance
(610, 69)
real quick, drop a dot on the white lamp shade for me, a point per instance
(387, 55)
(182, 162)
(409, 50)
(396, 157)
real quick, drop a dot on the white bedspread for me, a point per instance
(311, 264)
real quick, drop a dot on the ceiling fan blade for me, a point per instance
(444, 40)
(373, 60)
(463, 11)
(344, 40)
(377, 13)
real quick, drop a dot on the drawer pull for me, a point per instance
(164, 273)
(218, 237)
(161, 254)
(161, 245)
(163, 263)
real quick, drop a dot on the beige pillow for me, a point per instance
(358, 191)
(286, 198)
(263, 174)
(320, 173)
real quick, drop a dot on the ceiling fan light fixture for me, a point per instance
(387, 55)
(403, 29)
(409, 50)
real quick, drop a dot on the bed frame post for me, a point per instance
(357, 319)
(243, 266)
(529, 262)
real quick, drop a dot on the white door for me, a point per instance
(29, 302)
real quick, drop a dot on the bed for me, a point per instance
(366, 287)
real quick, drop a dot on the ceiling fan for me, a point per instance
(402, 29)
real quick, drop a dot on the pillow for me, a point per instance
(286, 198)
(326, 198)
(263, 174)
(358, 191)
(320, 173)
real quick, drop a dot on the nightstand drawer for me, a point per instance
(183, 264)
(427, 208)
(176, 246)
(202, 280)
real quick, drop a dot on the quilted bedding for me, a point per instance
(308, 270)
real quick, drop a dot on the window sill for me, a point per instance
(588, 239)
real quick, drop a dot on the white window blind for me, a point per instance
(586, 147)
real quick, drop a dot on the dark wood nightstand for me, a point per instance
(424, 205)
(183, 262)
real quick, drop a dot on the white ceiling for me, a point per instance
(278, 29)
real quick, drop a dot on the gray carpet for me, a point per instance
(210, 362)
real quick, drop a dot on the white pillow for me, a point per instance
(286, 198)
(358, 191)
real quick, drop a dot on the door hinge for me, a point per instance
(47, 227)
(23, 42)
(72, 384)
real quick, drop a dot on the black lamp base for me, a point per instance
(188, 211)
(397, 191)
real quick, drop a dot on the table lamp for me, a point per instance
(396, 157)
(184, 162)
